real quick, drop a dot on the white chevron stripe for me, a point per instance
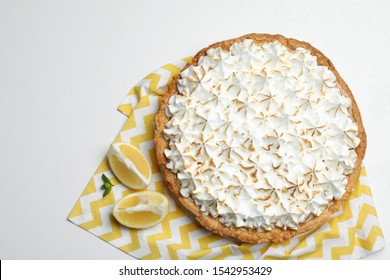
(236, 254)
(179, 63)
(368, 224)
(297, 252)
(155, 178)
(118, 190)
(125, 239)
(87, 199)
(134, 99)
(215, 248)
(213, 253)
(165, 74)
(175, 239)
(85, 206)
(277, 252)
(366, 199)
(164, 77)
(342, 241)
(130, 99)
(105, 212)
(293, 243)
(145, 89)
(106, 227)
(142, 237)
(358, 252)
(139, 119)
(364, 180)
(311, 246)
(379, 244)
(145, 147)
(171, 202)
(144, 86)
(343, 229)
(195, 246)
(255, 249)
(219, 242)
(178, 222)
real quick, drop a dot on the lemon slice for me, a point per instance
(129, 165)
(141, 209)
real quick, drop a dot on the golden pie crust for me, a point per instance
(243, 234)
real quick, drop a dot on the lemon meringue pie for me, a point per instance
(259, 138)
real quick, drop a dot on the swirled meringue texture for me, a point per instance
(260, 136)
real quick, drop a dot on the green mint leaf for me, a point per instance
(105, 179)
(107, 191)
(107, 186)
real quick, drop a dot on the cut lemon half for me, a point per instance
(129, 165)
(141, 209)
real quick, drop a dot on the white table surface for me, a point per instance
(66, 65)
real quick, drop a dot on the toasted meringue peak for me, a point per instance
(260, 136)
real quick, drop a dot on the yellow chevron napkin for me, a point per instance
(353, 233)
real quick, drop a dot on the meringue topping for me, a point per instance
(260, 136)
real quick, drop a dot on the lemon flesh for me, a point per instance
(129, 165)
(141, 209)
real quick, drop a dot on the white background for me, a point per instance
(66, 65)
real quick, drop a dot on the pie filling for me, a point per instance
(260, 136)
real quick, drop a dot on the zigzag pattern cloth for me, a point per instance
(353, 232)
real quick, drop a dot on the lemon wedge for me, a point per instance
(129, 165)
(141, 209)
